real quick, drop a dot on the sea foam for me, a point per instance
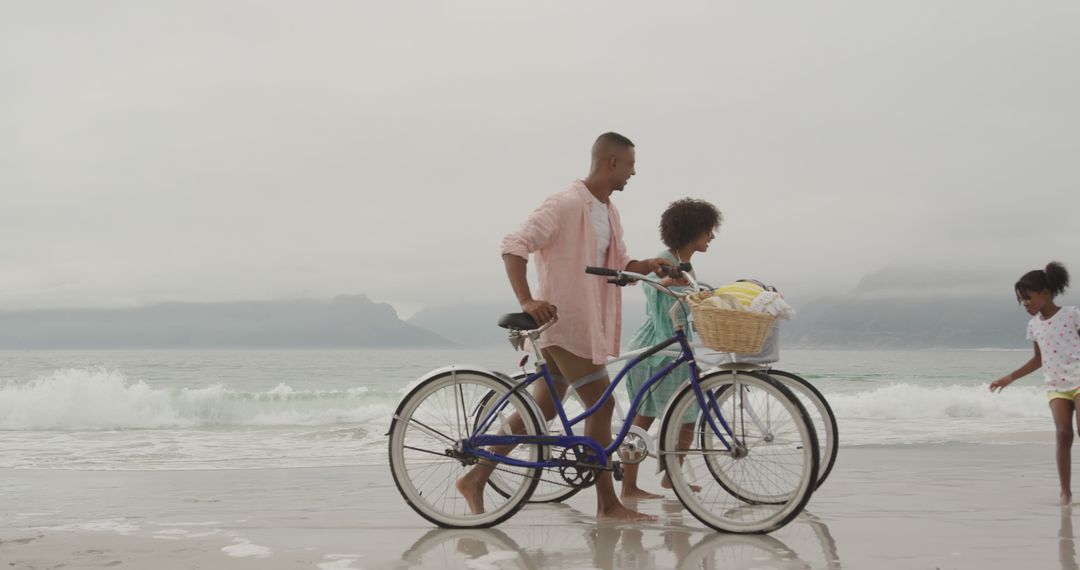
(100, 399)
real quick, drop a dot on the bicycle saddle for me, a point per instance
(518, 322)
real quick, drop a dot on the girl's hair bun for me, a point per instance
(1054, 278)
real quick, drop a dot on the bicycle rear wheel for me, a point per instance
(757, 473)
(426, 459)
(820, 413)
(550, 488)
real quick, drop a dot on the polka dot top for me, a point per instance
(1059, 343)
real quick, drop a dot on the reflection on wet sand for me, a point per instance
(563, 539)
(1066, 546)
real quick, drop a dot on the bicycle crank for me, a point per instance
(578, 466)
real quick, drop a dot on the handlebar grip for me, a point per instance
(676, 270)
(601, 271)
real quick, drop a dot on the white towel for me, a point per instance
(773, 304)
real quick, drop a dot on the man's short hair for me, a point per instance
(608, 143)
(614, 139)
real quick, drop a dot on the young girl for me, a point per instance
(686, 228)
(1056, 334)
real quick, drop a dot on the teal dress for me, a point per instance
(656, 329)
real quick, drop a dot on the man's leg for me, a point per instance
(471, 484)
(590, 380)
(542, 394)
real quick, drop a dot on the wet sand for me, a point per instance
(921, 506)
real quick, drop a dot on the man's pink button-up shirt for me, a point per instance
(561, 236)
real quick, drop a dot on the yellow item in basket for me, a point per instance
(743, 291)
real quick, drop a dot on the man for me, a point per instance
(572, 229)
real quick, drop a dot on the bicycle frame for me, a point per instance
(716, 421)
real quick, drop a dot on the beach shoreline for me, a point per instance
(898, 506)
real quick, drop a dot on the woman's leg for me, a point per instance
(1063, 411)
(686, 437)
(630, 490)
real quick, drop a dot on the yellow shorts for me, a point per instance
(1066, 395)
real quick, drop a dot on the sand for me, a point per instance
(921, 506)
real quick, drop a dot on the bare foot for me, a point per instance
(638, 494)
(1066, 500)
(621, 513)
(471, 487)
(666, 483)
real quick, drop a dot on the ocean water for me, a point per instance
(204, 409)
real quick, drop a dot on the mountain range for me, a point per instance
(345, 321)
(895, 308)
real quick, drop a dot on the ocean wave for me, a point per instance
(100, 399)
(902, 401)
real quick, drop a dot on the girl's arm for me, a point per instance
(1030, 366)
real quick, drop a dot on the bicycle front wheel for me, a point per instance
(426, 457)
(758, 471)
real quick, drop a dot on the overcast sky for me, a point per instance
(211, 151)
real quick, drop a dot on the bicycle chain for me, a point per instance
(560, 483)
(537, 477)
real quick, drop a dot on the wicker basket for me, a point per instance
(726, 330)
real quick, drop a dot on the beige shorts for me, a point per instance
(572, 370)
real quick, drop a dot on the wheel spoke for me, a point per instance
(426, 429)
(464, 412)
(435, 453)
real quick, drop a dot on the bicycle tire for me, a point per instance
(821, 414)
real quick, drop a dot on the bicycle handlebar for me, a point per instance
(602, 271)
(620, 278)
(673, 271)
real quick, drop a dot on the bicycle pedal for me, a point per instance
(616, 470)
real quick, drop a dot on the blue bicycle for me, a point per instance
(750, 468)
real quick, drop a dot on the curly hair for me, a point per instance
(1054, 278)
(685, 220)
